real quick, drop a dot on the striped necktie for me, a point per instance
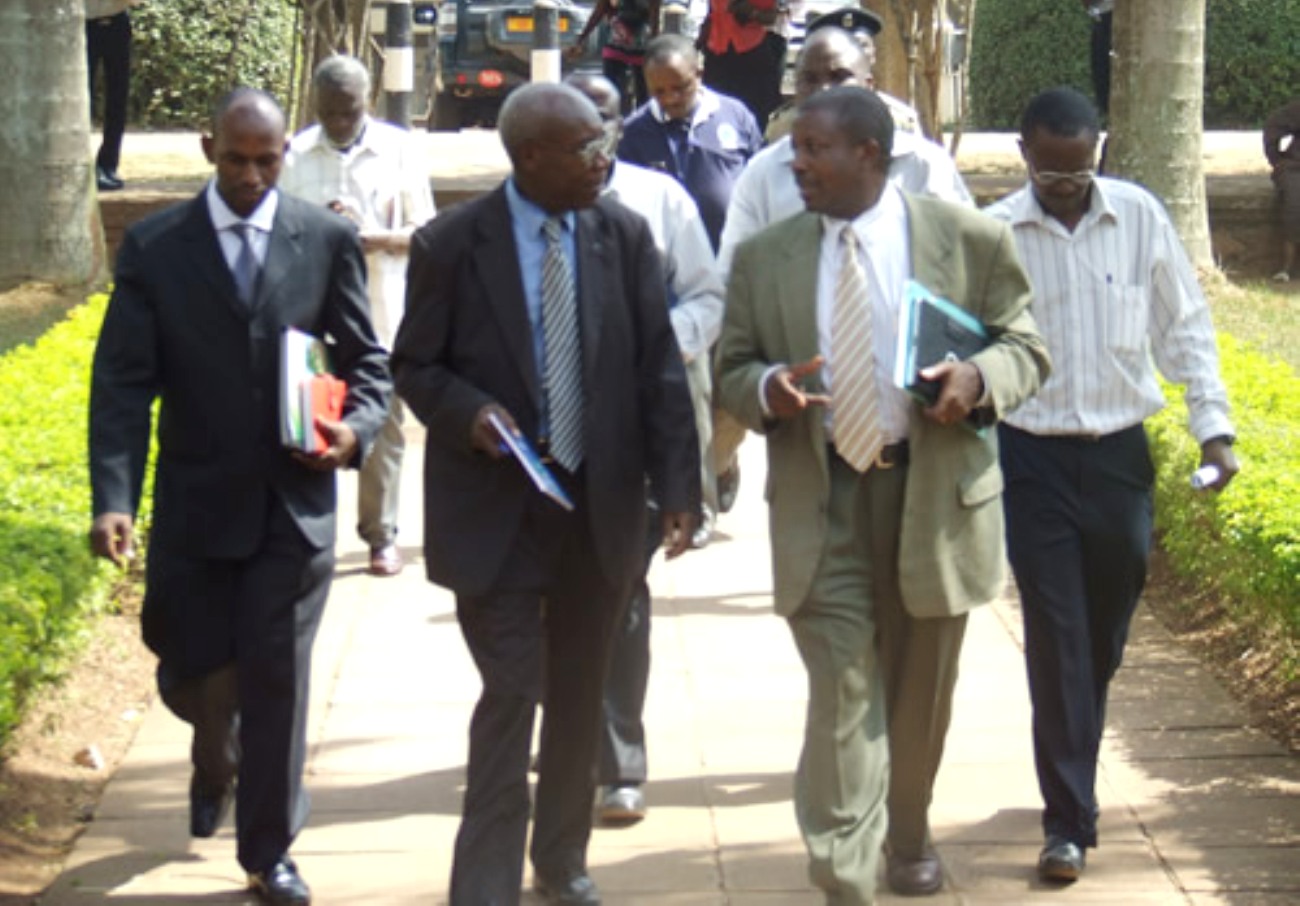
(247, 266)
(856, 406)
(562, 384)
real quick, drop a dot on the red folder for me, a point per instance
(323, 398)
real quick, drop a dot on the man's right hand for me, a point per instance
(483, 436)
(112, 536)
(783, 395)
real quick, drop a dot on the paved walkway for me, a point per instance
(1197, 809)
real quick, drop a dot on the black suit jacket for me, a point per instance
(466, 341)
(175, 330)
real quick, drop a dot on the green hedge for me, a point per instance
(1245, 542)
(188, 53)
(48, 580)
(1020, 47)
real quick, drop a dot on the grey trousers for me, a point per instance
(379, 484)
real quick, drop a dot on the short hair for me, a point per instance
(245, 96)
(341, 73)
(532, 109)
(830, 34)
(664, 48)
(1060, 111)
(593, 85)
(859, 113)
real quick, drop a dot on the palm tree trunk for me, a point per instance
(49, 218)
(1157, 91)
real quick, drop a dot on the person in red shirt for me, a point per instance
(744, 52)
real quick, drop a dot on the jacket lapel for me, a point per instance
(206, 257)
(931, 250)
(497, 261)
(593, 244)
(797, 278)
(283, 249)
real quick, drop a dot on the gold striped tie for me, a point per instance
(856, 406)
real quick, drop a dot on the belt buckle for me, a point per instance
(879, 461)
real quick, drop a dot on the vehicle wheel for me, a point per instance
(446, 114)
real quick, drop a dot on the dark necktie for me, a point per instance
(247, 266)
(562, 387)
(679, 142)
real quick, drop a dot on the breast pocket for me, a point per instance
(1125, 312)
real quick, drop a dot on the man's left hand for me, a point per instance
(960, 387)
(678, 530)
(342, 447)
(1217, 452)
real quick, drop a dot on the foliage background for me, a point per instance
(1021, 47)
(188, 53)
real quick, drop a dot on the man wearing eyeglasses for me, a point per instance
(1113, 289)
(539, 308)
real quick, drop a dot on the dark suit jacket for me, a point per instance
(466, 341)
(176, 330)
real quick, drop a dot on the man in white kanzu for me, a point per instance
(374, 174)
(1113, 291)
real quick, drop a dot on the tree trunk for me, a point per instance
(893, 46)
(1157, 79)
(49, 216)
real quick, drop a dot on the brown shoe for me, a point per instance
(915, 877)
(386, 560)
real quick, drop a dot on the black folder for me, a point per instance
(932, 330)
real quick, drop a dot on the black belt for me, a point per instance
(889, 455)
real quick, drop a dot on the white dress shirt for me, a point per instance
(382, 181)
(882, 233)
(693, 281)
(766, 191)
(224, 220)
(1109, 296)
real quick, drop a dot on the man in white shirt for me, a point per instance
(1113, 288)
(886, 516)
(372, 173)
(695, 299)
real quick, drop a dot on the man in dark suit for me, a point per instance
(241, 551)
(543, 307)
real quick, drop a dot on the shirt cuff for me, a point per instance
(762, 388)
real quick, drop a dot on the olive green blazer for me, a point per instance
(951, 546)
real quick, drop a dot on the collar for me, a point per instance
(887, 209)
(1025, 209)
(531, 216)
(262, 218)
(368, 140)
(706, 104)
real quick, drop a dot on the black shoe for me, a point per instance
(208, 809)
(915, 877)
(620, 805)
(108, 180)
(728, 487)
(1061, 861)
(575, 889)
(280, 885)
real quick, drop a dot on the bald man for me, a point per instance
(538, 310)
(242, 548)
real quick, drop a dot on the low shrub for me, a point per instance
(1244, 543)
(49, 582)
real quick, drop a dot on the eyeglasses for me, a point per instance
(602, 145)
(1047, 179)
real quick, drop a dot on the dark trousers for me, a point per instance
(630, 82)
(753, 77)
(622, 749)
(1100, 60)
(542, 638)
(237, 669)
(1079, 518)
(108, 42)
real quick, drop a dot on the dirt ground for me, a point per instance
(47, 796)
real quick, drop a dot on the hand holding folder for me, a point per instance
(932, 330)
(307, 392)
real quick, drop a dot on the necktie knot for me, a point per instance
(553, 229)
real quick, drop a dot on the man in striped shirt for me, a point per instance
(1113, 290)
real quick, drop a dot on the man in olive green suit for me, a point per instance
(886, 518)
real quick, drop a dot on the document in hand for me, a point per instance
(307, 391)
(523, 451)
(932, 330)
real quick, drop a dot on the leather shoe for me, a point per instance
(208, 809)
(107, 180)
(915, 877)
(621, 805)
(575, 889)
(386, 560)
(1061, 861)
(280, 885)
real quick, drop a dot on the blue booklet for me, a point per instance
(932, 330)
(523, 451)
